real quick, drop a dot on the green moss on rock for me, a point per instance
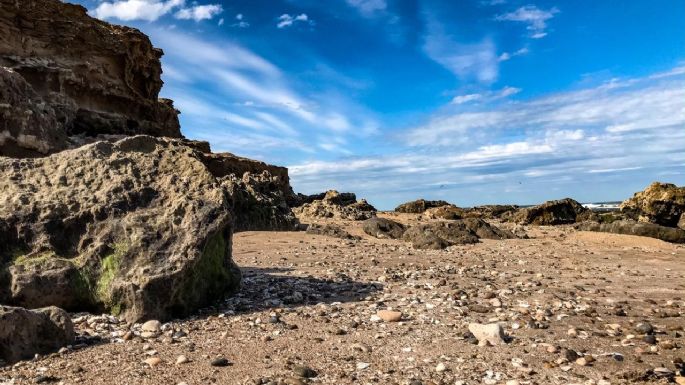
(109, 269)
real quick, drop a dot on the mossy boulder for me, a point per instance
(139, 228)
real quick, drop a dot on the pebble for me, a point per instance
(220, 362)
(441, 367)
(492, 334)
(181, 360)
(153, 361)
(362, 365)
(389, 315)
(304, 371)
(644, 328)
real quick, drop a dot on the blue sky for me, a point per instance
(484, 101)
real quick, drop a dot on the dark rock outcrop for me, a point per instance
(383, 228)
(660, 203)
(330, 230)
(139, 228)
(24, 333)
(418, 206)
(65, 74)
(438, 235)
(558, 212)
(491, 211)
(631, 227)
(260, 202)
(337, 205)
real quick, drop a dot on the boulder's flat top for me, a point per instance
(559, 290)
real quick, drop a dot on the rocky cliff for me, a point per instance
(64, 74)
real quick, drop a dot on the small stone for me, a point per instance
(492, 334)
(389, 315)
(152, 326)
(680, 380)
(441, 367)
(220, 362)
(362, 365)
(153, 361)
(570, 355)
(650, 339)
(181, 360)
(305, 371)
(644, 328)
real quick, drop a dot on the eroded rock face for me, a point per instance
(660, 203)
(630, 227)
(383, 228)
(418, 206)
(23, 333)
(260, 202)
(491, 211)
(81, 77)
(558, 212)
(337, 205)
(139, 228)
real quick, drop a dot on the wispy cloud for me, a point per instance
(535, 17)
(563, 138)
(286, 20)
(151, 10)
(486, 97)
(368, 8)
(469, 61)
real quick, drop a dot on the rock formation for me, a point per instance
(660, 203)
(330, 230)
(418, 206)
(24, 333)
(139, 228)
(438, 235)
(631, 227)
(337, 205)
(491, 211)
(449, 212)
(383, 228)
(86, 77)
(558, 212)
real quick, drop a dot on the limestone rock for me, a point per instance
(139, 228)
(419, 206)
(660, 203)
(337, 205)
(23, 333)
(383, 228)
(448, 212)
(558, 212)
(492, 334)
(81, 77)
(630, 227)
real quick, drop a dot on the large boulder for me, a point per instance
(337, 205)
(558, 212)
(140, 228)
(24, 333)
(419, 206)
(330, 230)
(660, 203)
(631, 227)
(383, 228)
(79, 77)
(439, 235)
(491, 211)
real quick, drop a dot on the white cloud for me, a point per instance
(469, 61)
(461, 99)
(368, 8)
(507, 56)
(535, 17)
(486, 97)
(240, 21)
(286, 20)
(199, 12)
(602, 137)
(151, 10)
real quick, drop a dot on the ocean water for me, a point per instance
(602, 206)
